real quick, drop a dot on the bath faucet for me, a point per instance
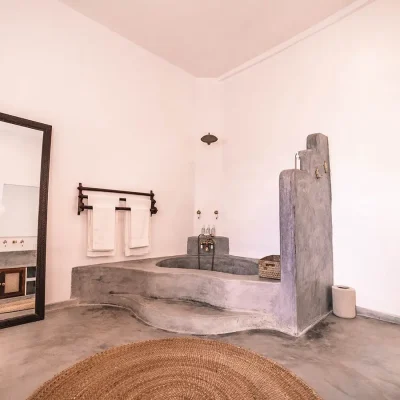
(207, 244)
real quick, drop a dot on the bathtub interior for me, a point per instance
(227, 264)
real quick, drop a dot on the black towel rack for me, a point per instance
(82, 206)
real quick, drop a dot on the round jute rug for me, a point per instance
(179, 368)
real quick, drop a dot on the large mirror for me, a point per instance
(24, 175)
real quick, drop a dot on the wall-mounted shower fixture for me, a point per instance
(209, 139)
(198, 212)
(216, 214)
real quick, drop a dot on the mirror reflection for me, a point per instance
(20, 164)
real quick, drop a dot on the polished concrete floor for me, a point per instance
(341, 359)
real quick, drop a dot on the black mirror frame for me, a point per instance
(42, 221)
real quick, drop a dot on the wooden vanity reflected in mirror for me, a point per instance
(24, 177)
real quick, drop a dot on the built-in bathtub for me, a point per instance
(171, 293)
(226, 264)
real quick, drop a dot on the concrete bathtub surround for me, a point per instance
(226, 264)
(179, 300)
(305, 200)
(174, 295)
(221, 246)
(223, 262)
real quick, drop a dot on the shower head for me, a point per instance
(209, 139)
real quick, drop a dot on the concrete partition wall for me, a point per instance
(306, 235)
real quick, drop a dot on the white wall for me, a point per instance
(344, 82)
(121, 118)
(208, 158)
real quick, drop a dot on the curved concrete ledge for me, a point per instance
(189, 317)
(274, 300)
(243, 301)
(234, 292)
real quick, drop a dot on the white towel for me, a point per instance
(101, 226)
(137, 230)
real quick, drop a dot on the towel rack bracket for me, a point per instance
(153, 208)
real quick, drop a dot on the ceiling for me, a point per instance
(208, 38)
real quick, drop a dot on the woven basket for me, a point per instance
(270, 267)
